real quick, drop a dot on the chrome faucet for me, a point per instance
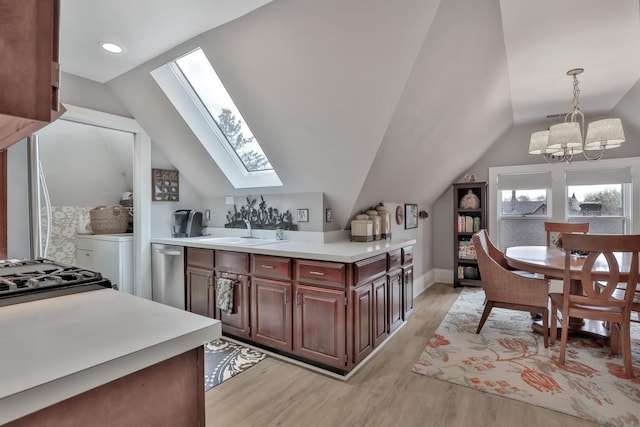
(250, 235)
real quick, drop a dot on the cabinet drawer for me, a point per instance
(271, 267)
(235, 262)
(202, 258)
(407, 255)
(85, 243)
(395, 259)
(368, 269)
(321, 273)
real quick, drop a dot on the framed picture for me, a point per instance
(303, 215)
(410, 215)
(165, 185)
(328, 215)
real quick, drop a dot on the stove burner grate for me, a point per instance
(43, 278)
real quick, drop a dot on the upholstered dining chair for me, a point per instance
(564, 227)
(504, 288)
(597, 301)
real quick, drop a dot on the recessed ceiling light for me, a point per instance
(111, 47)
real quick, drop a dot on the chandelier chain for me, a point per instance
(576, 93)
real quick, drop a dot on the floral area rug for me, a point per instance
(508, 359)
(224, 359)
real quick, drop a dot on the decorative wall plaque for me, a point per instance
(165, 185)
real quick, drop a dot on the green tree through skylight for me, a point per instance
(205, 82)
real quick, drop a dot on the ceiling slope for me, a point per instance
(455, 104)
(144, 28)
(317, 82)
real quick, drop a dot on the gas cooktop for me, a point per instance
(30, 280)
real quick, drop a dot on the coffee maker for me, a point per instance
(186, 223)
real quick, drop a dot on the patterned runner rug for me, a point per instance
(224, 359)
(510, 360)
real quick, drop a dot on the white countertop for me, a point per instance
(341, 251)
(55, 348)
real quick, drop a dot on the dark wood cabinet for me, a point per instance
(200, 281)
(469, 216)
(407, 282)
(237, 323)
(271, 313)
(200, 291)
(380, 311)
(235, 266)
(272, 306)
(330, 314)
(30, 72)
(319, 324)
(407, 289)
(394, 283)
(363, 303)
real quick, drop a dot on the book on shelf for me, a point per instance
(468, 224)
(466, 250)
(468, 272)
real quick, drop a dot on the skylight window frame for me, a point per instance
(196, 115)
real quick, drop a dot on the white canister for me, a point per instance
(362, 229)
(385, 222)
(373, 216)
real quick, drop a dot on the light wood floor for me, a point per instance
(384, 392)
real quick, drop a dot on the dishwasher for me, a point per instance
(167, 275)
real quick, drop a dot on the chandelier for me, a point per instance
(563, 140)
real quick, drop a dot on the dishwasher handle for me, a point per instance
(168, 251)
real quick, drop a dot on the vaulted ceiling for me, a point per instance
(365, 100)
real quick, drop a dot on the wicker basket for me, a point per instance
(109, 219)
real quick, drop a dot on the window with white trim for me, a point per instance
(599, 197)
(600, 193)
(523, 207)
(194, 88)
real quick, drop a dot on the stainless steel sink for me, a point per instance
(238, 241)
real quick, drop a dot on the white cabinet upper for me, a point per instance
(109, 254)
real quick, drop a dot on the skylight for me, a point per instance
(194, 88)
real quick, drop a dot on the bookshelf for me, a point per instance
(469, 216)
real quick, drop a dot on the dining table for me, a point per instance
(549, 262)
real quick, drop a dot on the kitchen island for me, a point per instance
(102, 358)
(325, 305)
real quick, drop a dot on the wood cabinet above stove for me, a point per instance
(30, 70)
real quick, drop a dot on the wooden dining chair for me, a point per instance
(564, 227)
(597, 301)
(504, 288)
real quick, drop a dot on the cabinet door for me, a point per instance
(84, 258)
(319, 325)
(407, 285)
(271, 313)
(362, 322)
(395, 300)
(200, 292)
(237, 323)
(380, 323)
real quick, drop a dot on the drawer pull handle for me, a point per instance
(317, 273)
(268, 267)
(286, 296)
